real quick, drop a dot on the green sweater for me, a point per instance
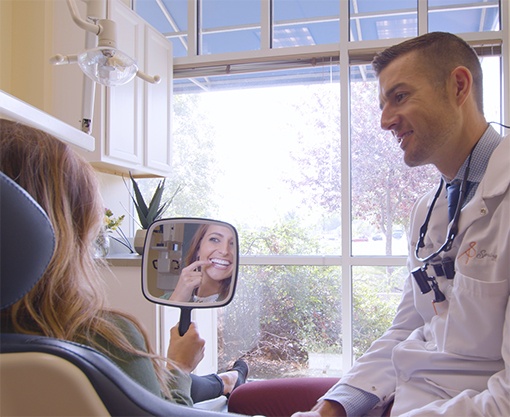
(141, 368)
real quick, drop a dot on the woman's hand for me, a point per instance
(185, 352)
(190, 278)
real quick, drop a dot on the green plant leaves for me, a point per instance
(150, 213)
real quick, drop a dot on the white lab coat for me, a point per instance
(455, 363)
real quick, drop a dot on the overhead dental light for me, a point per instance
(105, 64)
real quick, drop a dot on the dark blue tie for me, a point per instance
(453, 191)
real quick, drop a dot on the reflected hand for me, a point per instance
(185, 351)
(190, 278)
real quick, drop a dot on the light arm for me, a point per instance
(75, 14)
(153, 80)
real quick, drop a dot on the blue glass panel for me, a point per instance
(178, 9)
(225, 15)
(460, 16)
(305, 9)
(306, 34)
(375, 19)
(305, 22)
(236, 41)
(390, 27)
(178, 48)
(219, 13)
(438, 3)
(234, 25)
(365, 6)
(152, 13)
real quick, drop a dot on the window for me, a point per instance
(383, 188)
(302, 23)
(383, 19)
(463, 16)
(276, 144)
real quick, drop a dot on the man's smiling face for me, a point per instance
(418, 112)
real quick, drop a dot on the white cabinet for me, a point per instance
(157, 99)
(137, 133)
(132, 122)
(124, 123)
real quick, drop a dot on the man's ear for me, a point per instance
(463, 83)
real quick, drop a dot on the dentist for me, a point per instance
(447, 352)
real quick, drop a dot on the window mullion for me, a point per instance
(193, 27)
(266, 24)
(423, 21)
(347, 351)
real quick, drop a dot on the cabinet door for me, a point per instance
(124, 104)
(158, 108)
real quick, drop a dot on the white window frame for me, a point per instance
(198, 65)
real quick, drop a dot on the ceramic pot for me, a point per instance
(139, 240)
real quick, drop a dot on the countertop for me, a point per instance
(124, 260)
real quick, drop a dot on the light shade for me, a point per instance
(108, 66)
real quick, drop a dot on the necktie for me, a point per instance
(453, 191)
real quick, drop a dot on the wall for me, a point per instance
(27, 41)
(5, 44)
(124, 293)
(116, 198)
(25, 46)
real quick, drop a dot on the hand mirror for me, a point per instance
(190, 263)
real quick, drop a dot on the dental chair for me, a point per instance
(43, 376)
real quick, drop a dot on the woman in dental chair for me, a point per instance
(69, 301)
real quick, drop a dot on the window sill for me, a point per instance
(124, 260)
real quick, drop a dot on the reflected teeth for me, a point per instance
(220, 262)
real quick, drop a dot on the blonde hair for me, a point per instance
(68, 302)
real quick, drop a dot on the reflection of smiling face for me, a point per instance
(217, 246)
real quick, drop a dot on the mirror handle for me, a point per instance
(185, 320)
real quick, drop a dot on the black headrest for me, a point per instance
(27, 241)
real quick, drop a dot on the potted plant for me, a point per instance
(148, 213)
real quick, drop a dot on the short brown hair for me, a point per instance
(441, 53)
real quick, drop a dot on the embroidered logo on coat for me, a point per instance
(472, 253)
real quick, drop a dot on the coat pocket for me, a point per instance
(476, 316)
